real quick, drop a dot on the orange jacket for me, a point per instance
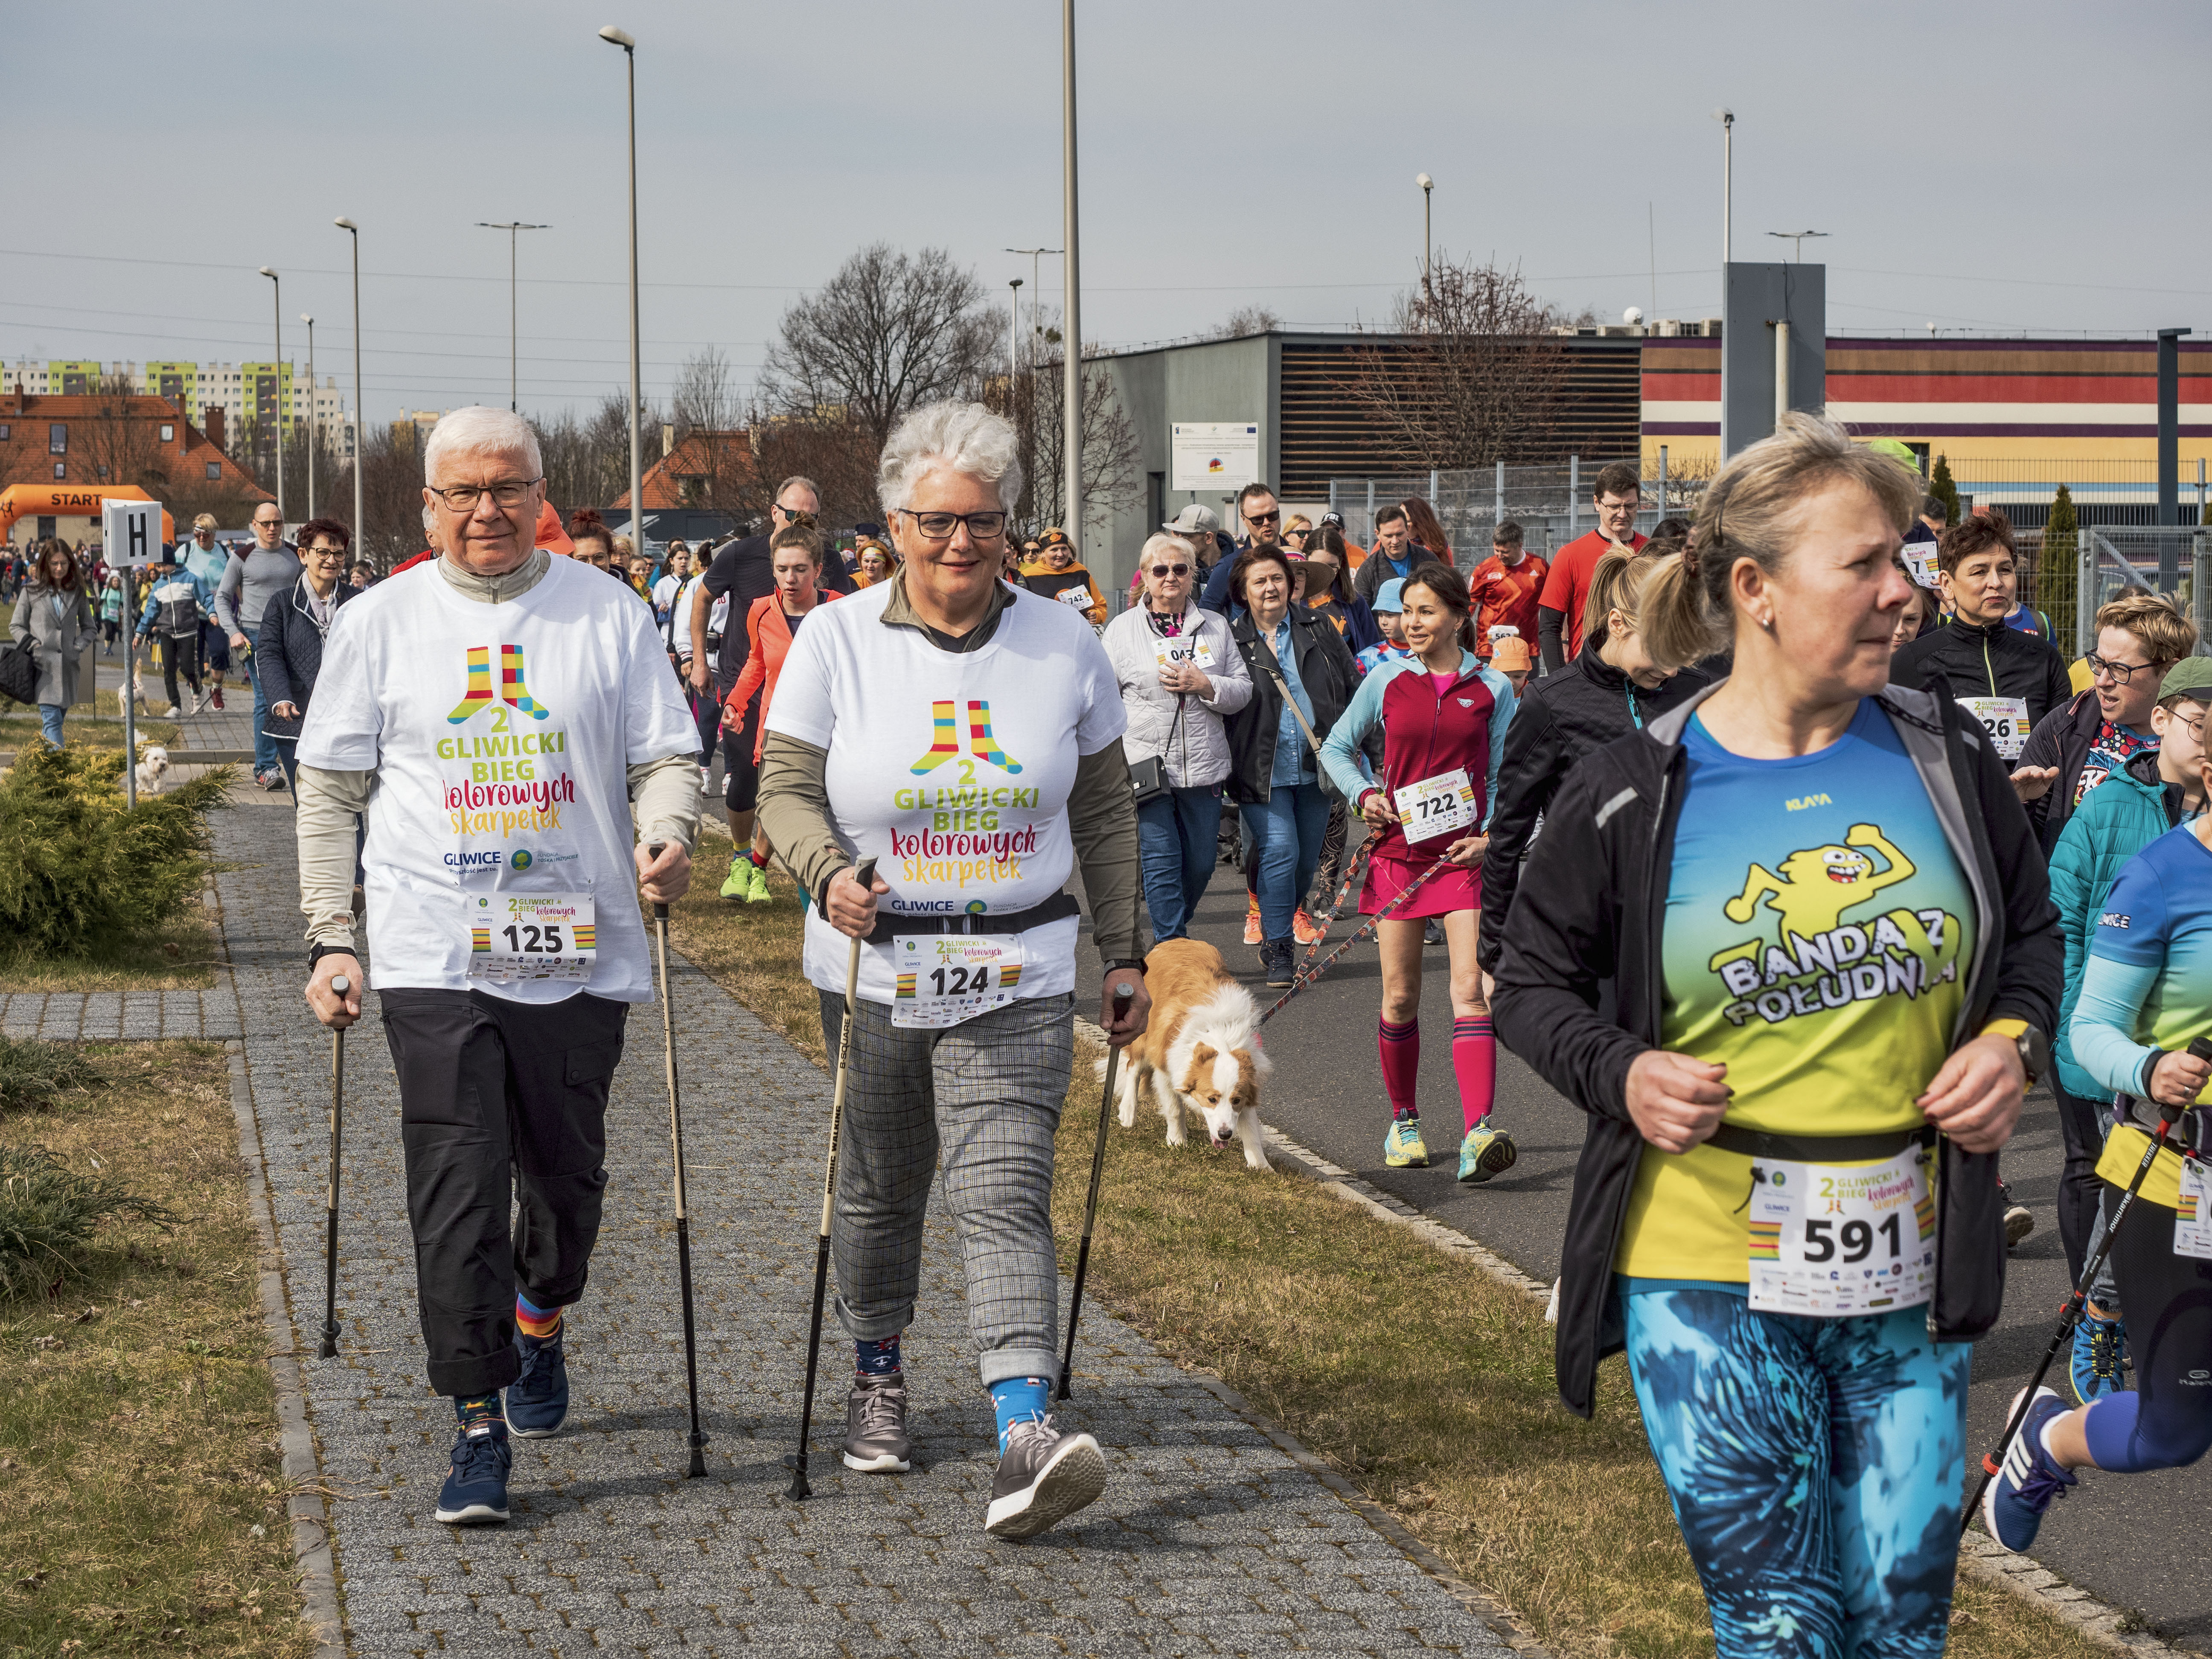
(769, 632)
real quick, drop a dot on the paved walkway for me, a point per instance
(70, 1016)
(1210, 1539)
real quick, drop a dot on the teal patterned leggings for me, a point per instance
(1814, 1466)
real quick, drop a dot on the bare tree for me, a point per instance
(587, 460)
(119, 441)
(714, 440)
(1245, 320)
(1476, 375)
(1034, 401)
(889, 332)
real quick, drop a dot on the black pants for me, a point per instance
(2079, 1192)
(740, 772)
(2169, 1303)
(180, 651)
(486, 1084)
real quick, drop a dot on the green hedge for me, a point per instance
(78, 870)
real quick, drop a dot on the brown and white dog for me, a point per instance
(1200, 1051)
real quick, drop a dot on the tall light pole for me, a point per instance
(1036, 292)
(1797, 239)
(510, 227)
(360, 410)
(1013, 338)
(276, 292)
(1725, 117)
(1427, 184)
(1071, 323)
(313, 427)
(614, 36)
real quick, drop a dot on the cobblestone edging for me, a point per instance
(96, 1016)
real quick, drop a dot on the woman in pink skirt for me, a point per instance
(1443, 716)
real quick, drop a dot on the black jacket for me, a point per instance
(2061, 741)
(1367, 581)
(1561, 717)
(290, 652)
(1987, 659)
(1593, 908)
(1327, 671)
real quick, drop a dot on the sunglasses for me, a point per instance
(1276, 516)
(1170, 570)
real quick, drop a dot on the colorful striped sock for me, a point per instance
(877, 1359)
(539, 1324)
(1400, 1049)
(1474, 1063)
(473, 1409)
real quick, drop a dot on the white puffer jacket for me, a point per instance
(1197, 752)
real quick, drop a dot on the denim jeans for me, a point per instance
(1286, 830)
(50, 721)
(265, 746)
(1176, 837)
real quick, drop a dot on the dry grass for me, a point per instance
(141, 1499)
(1428, 1385)
(179, 955)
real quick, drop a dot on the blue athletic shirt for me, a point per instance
(2147, 985)
(1817, 928)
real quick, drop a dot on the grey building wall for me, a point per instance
(1218, 380)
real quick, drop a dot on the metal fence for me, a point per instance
(1552, 504)
(2107, 561)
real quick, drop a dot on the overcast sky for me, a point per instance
(2024, 165)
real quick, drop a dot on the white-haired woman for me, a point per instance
(507, 722)
(967, 738)
(1824, 920)
(1181, 676)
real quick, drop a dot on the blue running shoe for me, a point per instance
(475, 1493)
(537, 1401)
(2099, 1360)
(1485, 1152)
(2012, 1507)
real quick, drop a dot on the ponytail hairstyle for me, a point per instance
(801, 532)
(1620, 582)
(1750, 512)
(1451, 589)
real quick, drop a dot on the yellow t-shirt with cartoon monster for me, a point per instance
(1819, 931)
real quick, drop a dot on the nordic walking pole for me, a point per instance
(2069, 1315)
(682, 1218)
(865, 876)
(340, 986)
(1121, 996)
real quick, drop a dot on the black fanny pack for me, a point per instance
(1819, 1149)
(1058, 908)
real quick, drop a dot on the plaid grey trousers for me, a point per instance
(986, 1094)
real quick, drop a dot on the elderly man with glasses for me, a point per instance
(502, 718)
(240, 597)
(966, 737)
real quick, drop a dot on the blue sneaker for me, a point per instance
(1485, 1152)
(2012, 1507)
(475, 1493)
(2099, 1360)
(537, 1401)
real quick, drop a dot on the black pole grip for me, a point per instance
(653, 850)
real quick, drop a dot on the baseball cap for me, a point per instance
(2190, 678)
(1333, 518)
(1391, 596)
(873, 532)
(1510, 655)
(1193, 520)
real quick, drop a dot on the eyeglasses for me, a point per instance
(940, 526)
(2195, 727)
(269, 524)
(2122, 672)
(1170, 570)
(463, 498)
(1275, 517)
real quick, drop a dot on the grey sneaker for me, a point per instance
(875, 1427)
(1044, 1476)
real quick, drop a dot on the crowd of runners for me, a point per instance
(1785, 841)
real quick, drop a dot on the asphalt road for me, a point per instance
(2115, 1536)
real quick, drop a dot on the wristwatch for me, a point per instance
(1135, 963)
(2034, 1051)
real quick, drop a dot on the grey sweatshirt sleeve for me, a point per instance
(324, 823)
(225, 596)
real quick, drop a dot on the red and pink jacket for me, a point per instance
(1427, 732)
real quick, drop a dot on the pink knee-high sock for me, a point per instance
(1400, 1046)
(1474, 1063)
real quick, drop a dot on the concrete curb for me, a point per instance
(1981, 1556)
(310, 1516)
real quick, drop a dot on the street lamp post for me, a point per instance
(1427, 184)
(1725, 117)
(616, 37)
(276, 292)
(315, 427)
(360, 432)
(510, 227)
(1036, 294)
(1796, 240)
(1071, 323)
(1013, 338)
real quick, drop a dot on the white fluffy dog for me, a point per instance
(152, 769)
(1201, 1052)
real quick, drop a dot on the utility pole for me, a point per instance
(1072, 324)
(1036, 294)
(510, 227)
(1013, 338)
(360, 409)
(313, 427)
